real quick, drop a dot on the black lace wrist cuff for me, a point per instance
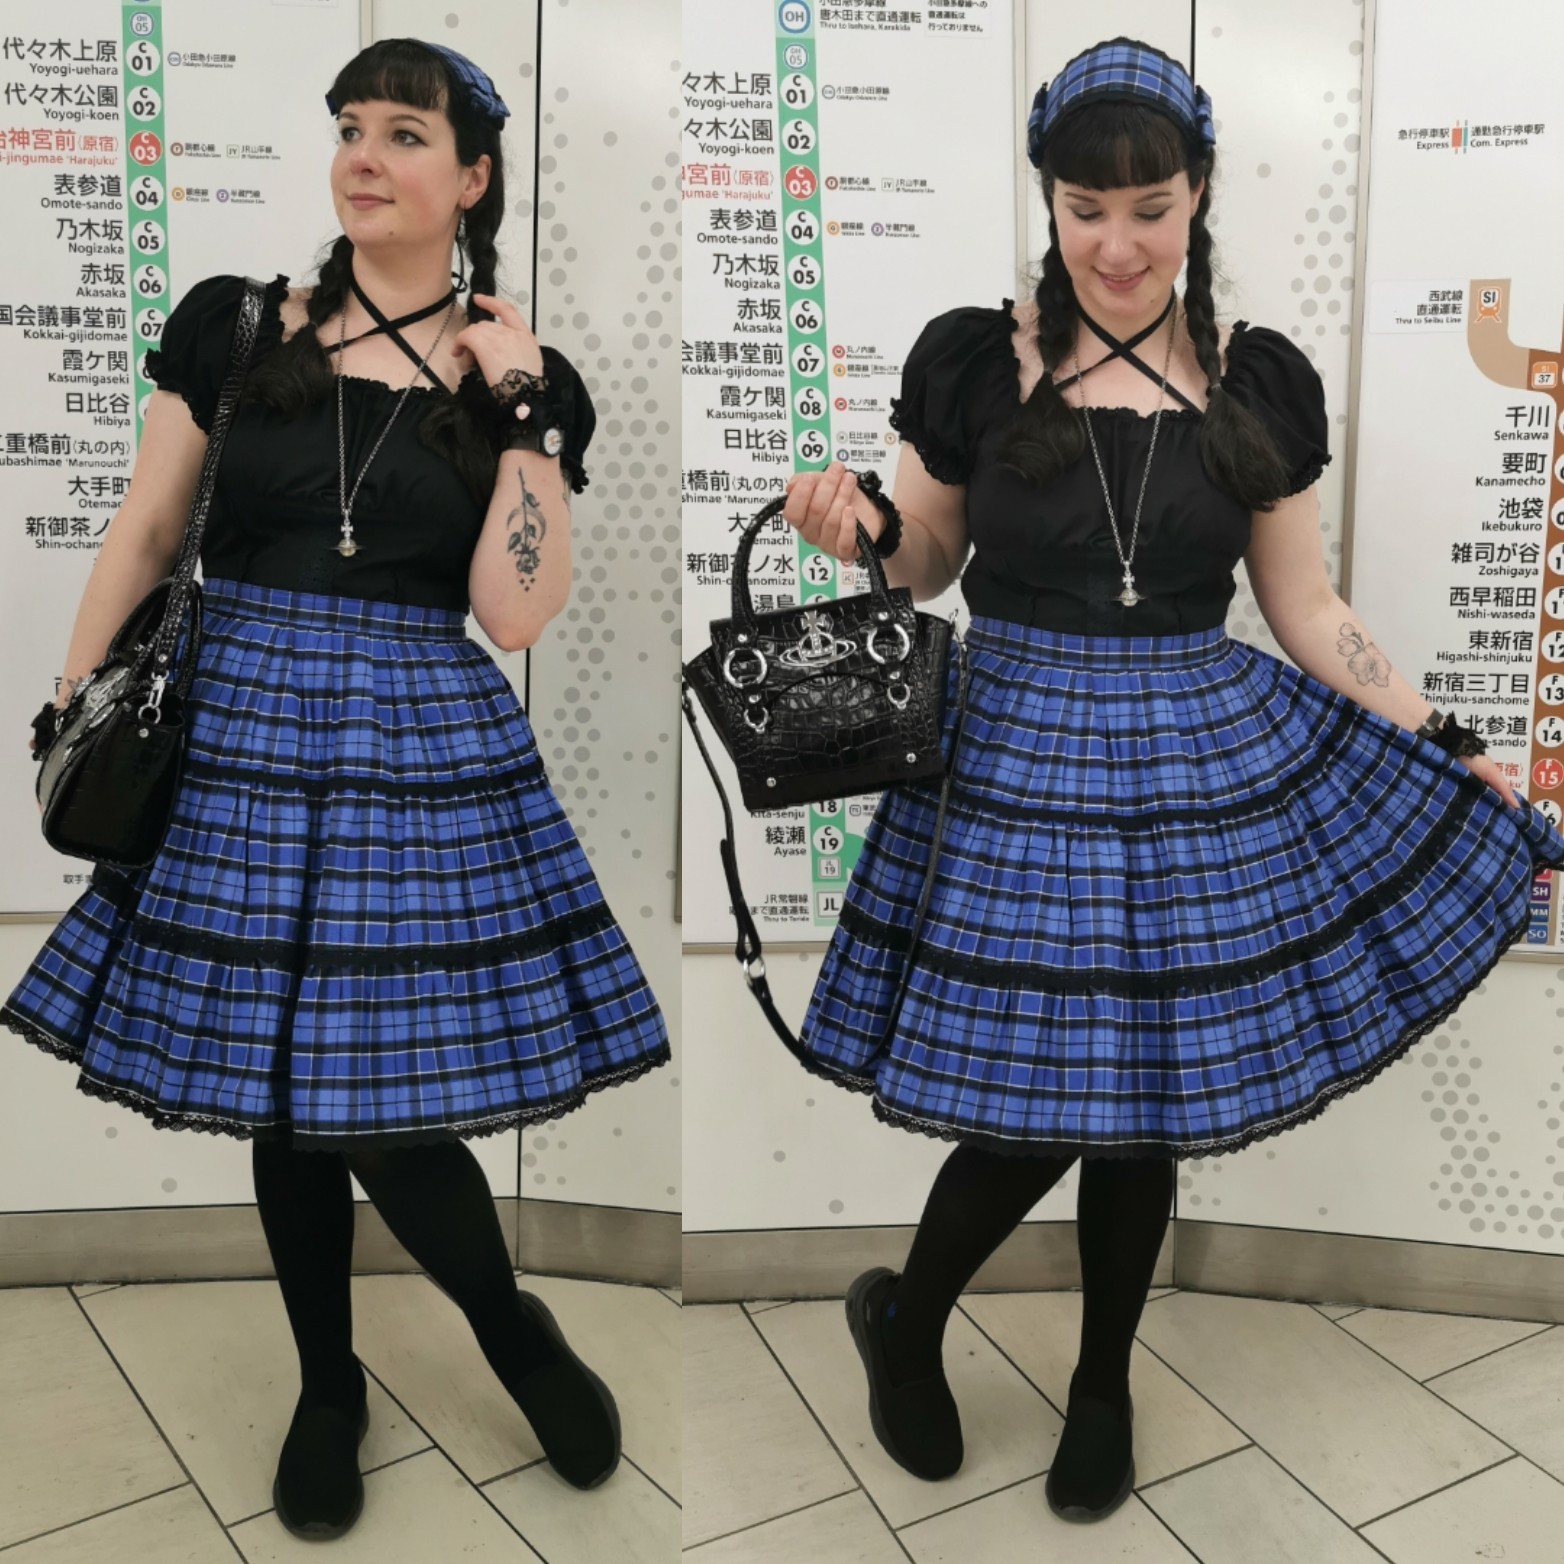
(556, 399)
(889, 539)
(542, 426)
(517, 385)
(1442, 729)
(1455, 740)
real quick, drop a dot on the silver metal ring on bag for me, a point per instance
(901, 655)
(750, 714)
(152, 708)
(734, 679)
(906, 695)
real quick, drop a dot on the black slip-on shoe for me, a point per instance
(318, 1493)
(917, 1423)
(1093, 1471)
(571, 1410)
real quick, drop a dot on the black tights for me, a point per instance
(978, 1199)
(436, 1201)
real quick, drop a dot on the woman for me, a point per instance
(1187, 895)
(370, 932)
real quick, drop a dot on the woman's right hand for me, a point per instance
(824, 506)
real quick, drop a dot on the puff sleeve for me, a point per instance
(1271, 377)
(571, 397)
(960, 362)
(192, 356)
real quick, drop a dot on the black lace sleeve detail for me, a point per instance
(569, 397)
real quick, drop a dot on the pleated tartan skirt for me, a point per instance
(1187, 896)
(370, 921)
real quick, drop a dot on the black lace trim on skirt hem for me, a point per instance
(1181, 1151)
(485, 783)
(300, 956)
(1168, 980)
(235, 1129)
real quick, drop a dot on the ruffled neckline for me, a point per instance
(1006, 317)
(271, 319)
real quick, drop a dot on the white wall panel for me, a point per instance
(1459, 1143)
(605, 677)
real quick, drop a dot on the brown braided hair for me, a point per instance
(298, 373)
(1109, 146)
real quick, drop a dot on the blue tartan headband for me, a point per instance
(1122, 71)
(475, 82)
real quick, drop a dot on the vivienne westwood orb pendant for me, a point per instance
(1129, 596)
(347, 548)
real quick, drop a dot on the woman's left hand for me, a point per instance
(503, 343)
(1487, 768)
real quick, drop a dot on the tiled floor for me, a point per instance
(1266, 1433)
(141, 1424)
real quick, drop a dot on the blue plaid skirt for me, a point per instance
(370, 921)
(1187, 896)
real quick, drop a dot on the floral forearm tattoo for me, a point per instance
(526, 538)
(1364, 659)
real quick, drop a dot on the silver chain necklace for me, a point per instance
(347, 547)
(1129, 596)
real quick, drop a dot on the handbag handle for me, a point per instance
(744, 609)
(246, 330)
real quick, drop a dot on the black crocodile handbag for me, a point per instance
(112, 764)
(828, 698)
(822, 701)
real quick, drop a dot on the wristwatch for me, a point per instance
(528, 436)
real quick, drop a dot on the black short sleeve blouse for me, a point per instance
(1044, 556)
(275, 519)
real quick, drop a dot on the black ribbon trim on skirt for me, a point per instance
(299, 955)
(1168, 981)
(123, 892)
(377, 787)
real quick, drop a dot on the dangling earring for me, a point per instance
(460, 278)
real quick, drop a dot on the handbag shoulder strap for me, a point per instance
(748, 950)
(246, 330)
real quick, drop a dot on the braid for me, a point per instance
(1235, 447)
(1058, 313)
(1046, 436)
(331, 289)
(1199, 306)
(482, 223)
(297, 373)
